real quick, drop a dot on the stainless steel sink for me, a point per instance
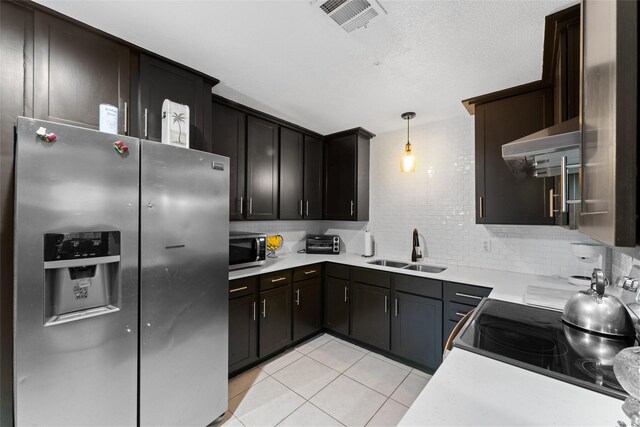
(425, 268)
(388, 263)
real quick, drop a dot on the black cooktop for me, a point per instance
(536, 339)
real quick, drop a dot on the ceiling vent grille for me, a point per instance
(352, 14)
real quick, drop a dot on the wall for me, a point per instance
(439, 200)
(622, 261)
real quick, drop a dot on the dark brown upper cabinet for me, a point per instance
(291, 174)
(500, 197)
(346, 178)
(510, 114)
(160, 80)
(228, 138)
(566, 66)
(76, 70)
(313, 153)
(609, 210)
(262, 169)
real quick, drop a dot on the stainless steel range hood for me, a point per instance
(540, 154)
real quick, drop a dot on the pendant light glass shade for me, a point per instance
(408, 161)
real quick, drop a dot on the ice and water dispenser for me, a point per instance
(82, 275)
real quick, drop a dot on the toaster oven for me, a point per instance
(323, 244)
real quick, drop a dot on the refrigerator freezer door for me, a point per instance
(84, 194)
(184, 285)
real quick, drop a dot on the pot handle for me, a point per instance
(599, 280)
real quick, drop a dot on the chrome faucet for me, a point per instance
(415, 252)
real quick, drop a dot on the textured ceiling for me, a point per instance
(288, 58)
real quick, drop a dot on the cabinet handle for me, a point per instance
(279, 279)
(346, 296)
(307, 209)
(264, 308)
(309, 272)
(481, 207)
(297, 296)
(250, 205)
(241, 204)
(300, 207)
(254, 310)
(461, 314)
(126, 118)
(564, 178)
(458, 294)
(386, 300)
(396, 304)
(146, 122)
(237, 289)
(551, 203)
(352, 208)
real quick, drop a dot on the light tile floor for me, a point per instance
(324, 382)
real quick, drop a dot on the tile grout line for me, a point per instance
(389, 398)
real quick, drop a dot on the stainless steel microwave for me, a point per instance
(246, 249)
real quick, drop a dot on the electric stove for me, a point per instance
(538, 340)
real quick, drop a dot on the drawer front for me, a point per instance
(275, 280)
(307, 272)
(465, 294)
(241, 287)
(418, 286)
(338, 271)
(457, 311)
(371, 277)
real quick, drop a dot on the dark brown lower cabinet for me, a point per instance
(307, 307)
(336, 297)
(243, 332)
(416, 329)
(275, 319)
(370, 315)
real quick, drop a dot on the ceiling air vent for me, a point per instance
(352, 14)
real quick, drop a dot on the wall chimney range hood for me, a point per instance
(543, 153)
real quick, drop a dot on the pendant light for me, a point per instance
(408, 162)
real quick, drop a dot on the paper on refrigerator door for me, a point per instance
(175, 124)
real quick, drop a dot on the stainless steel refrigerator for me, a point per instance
(121, 280)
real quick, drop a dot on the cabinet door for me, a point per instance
(76, 70)
(370, 320)
(262, 169)
(275, 319)
(160, 80)
(291, 177)
(501, 198)
(243, 332)
(307, 307)
(340, 178)
(336, 304)
(417, 329)
(228, 139)
(313, 153)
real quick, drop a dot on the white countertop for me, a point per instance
(472, 390)
(506, 285)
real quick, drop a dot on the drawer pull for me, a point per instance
(237, 289)
(309, 272)
(279, 279)
(460, 314)
(458, 294)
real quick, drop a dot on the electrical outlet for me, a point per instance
(486, 245)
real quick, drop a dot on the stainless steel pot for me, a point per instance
(593, 311)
